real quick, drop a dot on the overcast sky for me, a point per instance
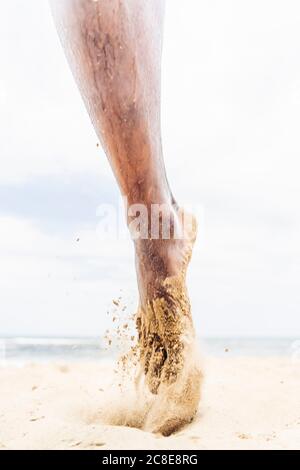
(231, 120)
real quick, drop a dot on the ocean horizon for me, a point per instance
(21, 349)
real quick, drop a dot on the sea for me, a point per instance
(22, 350)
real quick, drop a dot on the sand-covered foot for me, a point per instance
(167, 347)
(176, 402)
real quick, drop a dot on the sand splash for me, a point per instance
(158, 381)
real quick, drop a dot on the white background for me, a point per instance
(231, 120)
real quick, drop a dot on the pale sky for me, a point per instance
(231, 120)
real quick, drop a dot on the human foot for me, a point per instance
(167, 349)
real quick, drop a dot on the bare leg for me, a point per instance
(114, 49)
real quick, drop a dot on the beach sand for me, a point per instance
(248, 403)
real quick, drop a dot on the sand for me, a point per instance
(248, 403)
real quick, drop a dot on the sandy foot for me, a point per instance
(168, 359)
